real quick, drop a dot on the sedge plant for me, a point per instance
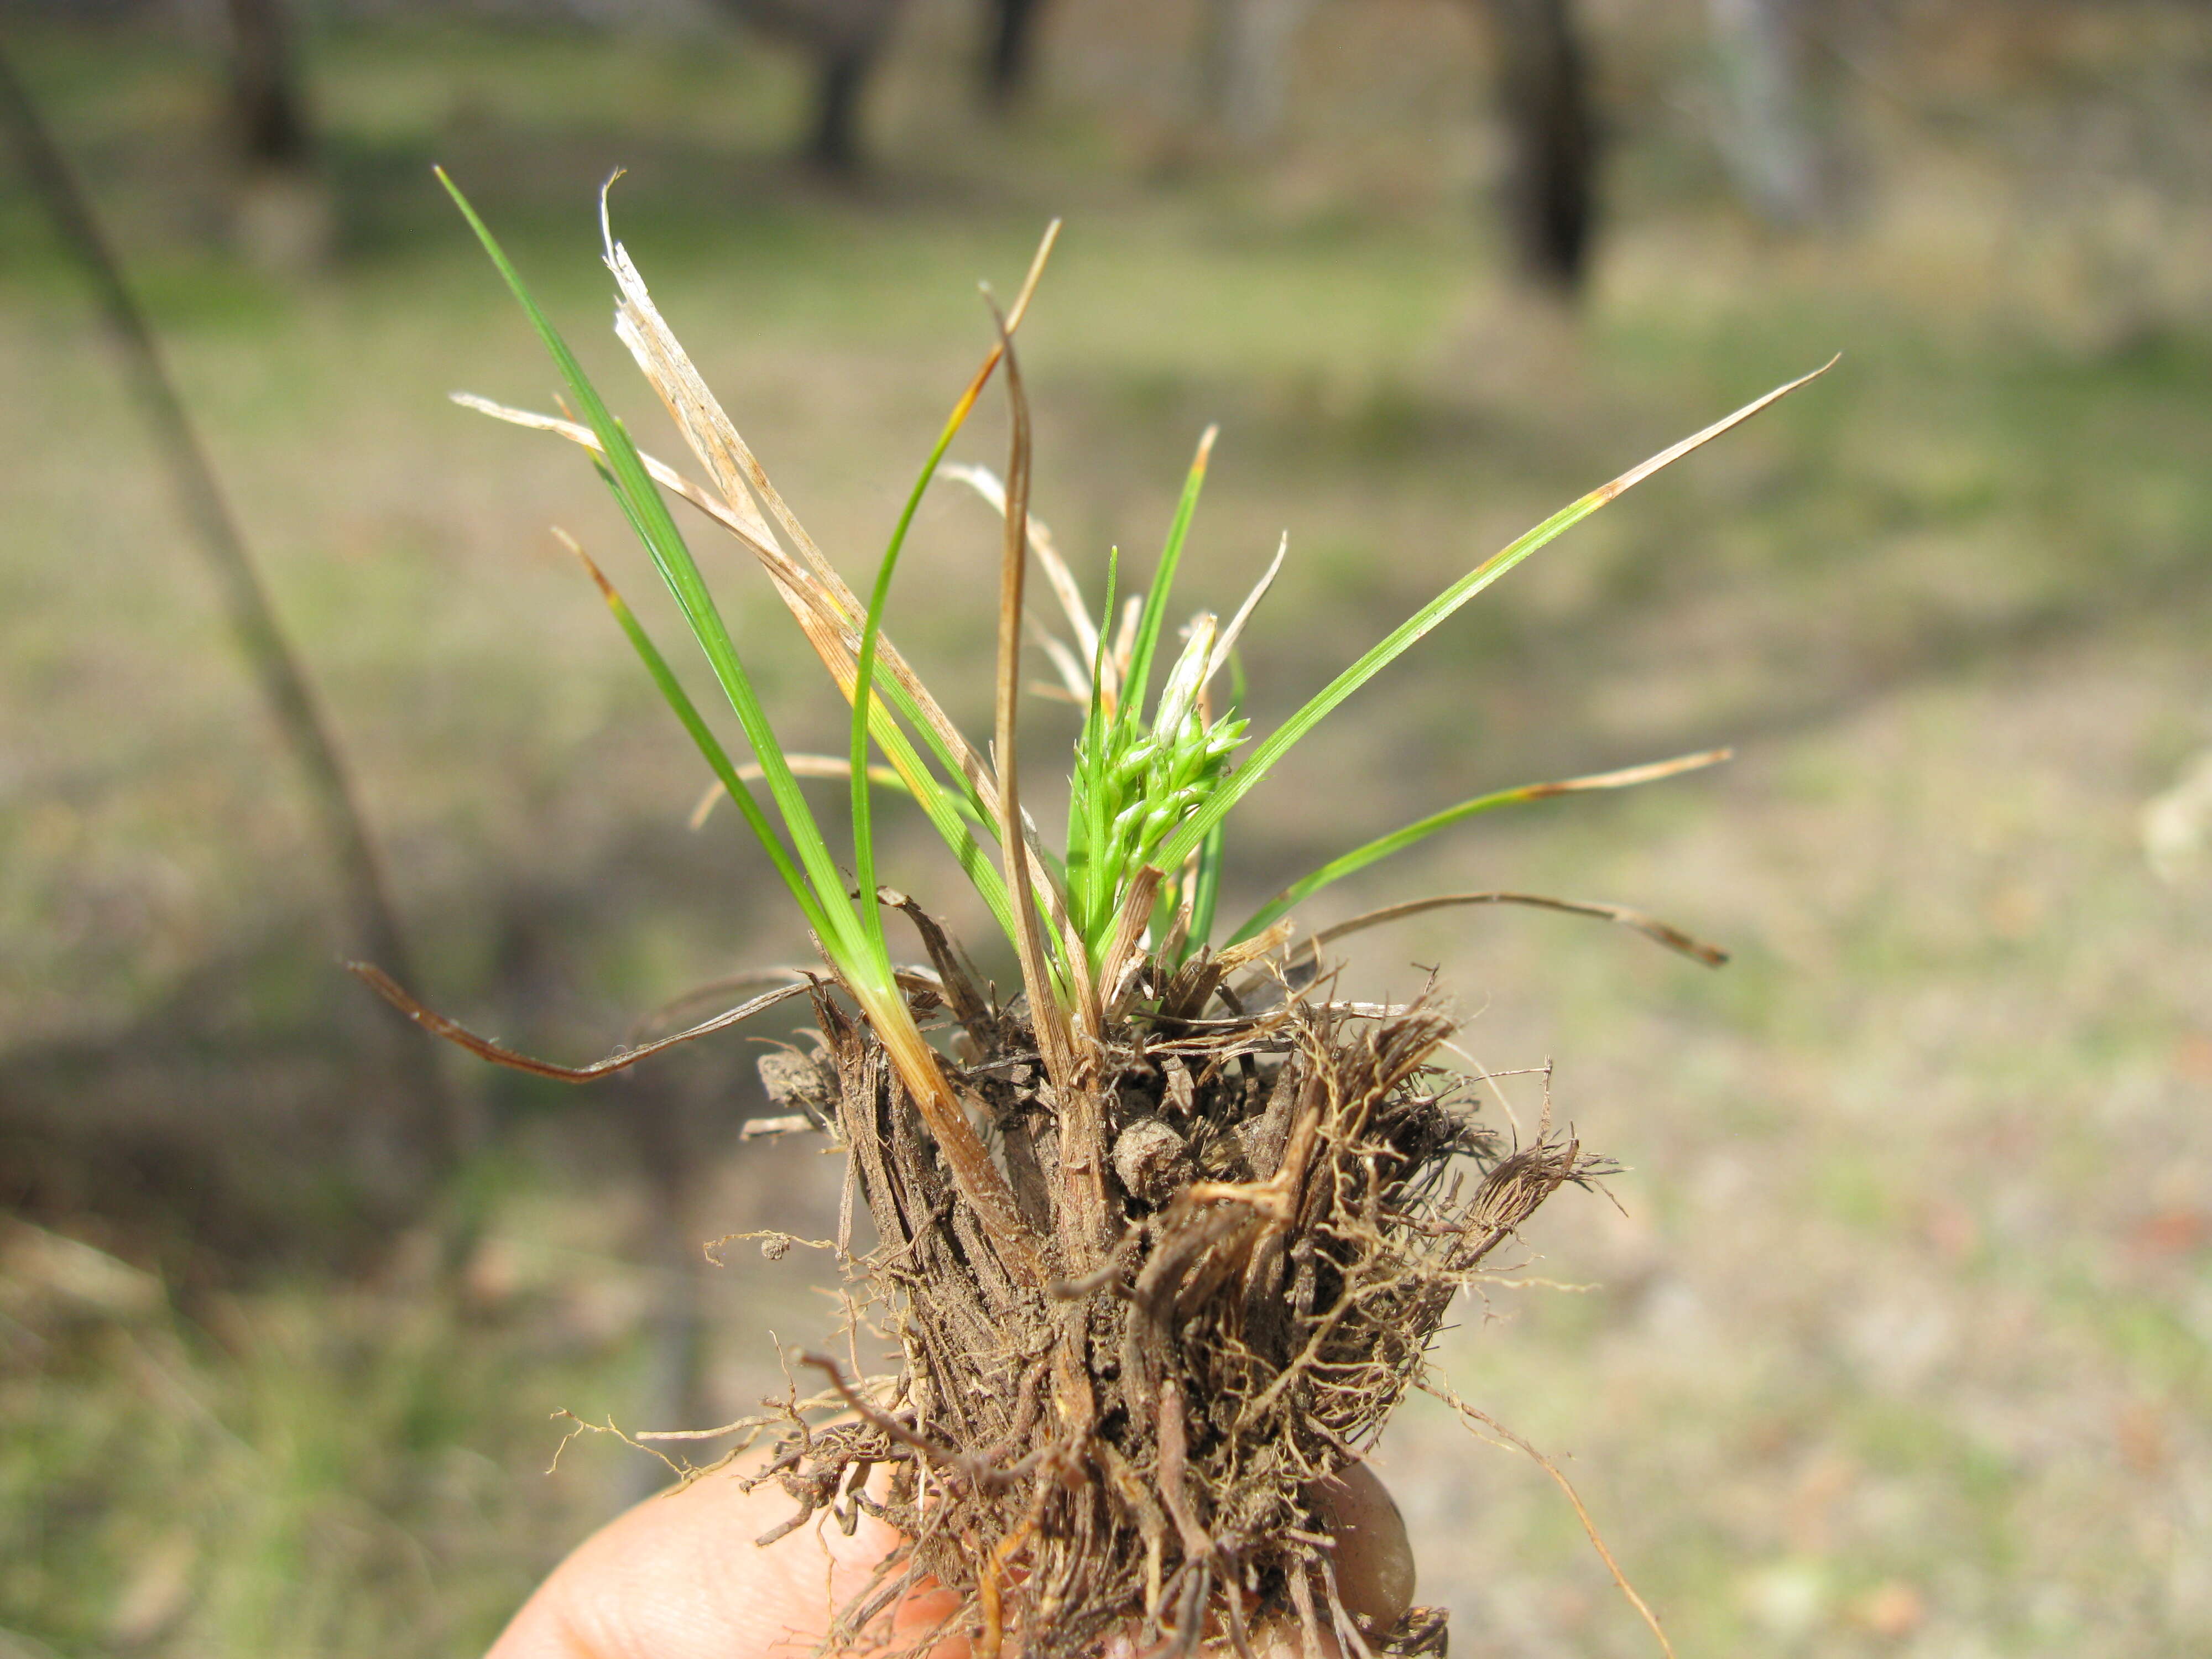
(1197, 1205)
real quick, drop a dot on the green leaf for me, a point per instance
(945, 812)
(1422, 622)
(1088, 899)
(702, 736)
(1207, 888)
(864, 850)
(1398, 840)
(1154, 615)
(649, 513)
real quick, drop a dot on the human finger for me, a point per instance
(1373, 1559)
(681, 1577)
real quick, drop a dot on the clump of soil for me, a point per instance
(1136, 1437)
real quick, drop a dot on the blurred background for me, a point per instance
(1897, 1338)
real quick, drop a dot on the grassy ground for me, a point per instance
(1898, 1341)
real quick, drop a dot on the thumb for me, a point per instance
(681, 1577)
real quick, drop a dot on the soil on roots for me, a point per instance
(1138, 1441)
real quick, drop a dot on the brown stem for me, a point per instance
(1082, 1141)
(436, 1024)
(1651, 927)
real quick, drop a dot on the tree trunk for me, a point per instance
(834, 146)
(842, 39)
(268, 111)
(1543, 90)
(1764, 137)
(1248, 65)
(1010, 57)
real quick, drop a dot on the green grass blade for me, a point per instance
(956, 813)
(1205, 895)
(954, 817)
(896, 697)
(1398, 840)
(943, 813)
(702, 736)
(649, 513)
(1087, 898)
(1167, 901)
(1422, 622)
(1154, 617)
(864, 851)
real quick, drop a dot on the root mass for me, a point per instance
(1138, 1439)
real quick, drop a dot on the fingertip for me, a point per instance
(683, 1575)
(1373, 1559)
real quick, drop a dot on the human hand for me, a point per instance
(680, 1578)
